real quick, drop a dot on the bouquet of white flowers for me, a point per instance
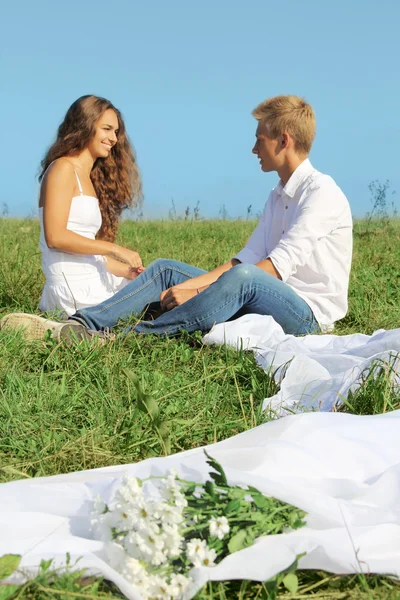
(156, 530)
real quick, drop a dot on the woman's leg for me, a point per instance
(244, 288)
(138, 294)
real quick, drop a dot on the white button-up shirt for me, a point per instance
(306, 231)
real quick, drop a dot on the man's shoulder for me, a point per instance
(317, 181)
(320, 192)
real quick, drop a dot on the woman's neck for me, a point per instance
(84, 160)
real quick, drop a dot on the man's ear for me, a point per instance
(284, 140)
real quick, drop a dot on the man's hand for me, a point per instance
(175, 296)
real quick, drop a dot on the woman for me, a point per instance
(89, 175)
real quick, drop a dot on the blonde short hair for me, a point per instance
(289, 114)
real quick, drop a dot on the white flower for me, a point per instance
(179, 500)
(146, 514)
(101, 524)
(146, 545)
(115, 555)
(168, 514)
(199, 554)
(196, 550)
(219, 527)
(121, 518)
(170, 490)
(133, 514)
(178, 585)
(131, 546)
(130, 568)
(129, 490)
(158, 588)
(172, 540)
(97, 520)
(135, 573)
(99, 507)
(209, 558)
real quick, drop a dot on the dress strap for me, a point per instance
(79, 183)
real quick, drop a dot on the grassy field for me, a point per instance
(66, 408)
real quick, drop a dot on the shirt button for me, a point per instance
(283, 231)
(286, 207)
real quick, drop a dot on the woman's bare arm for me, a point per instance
(58, 188)
(120, 269)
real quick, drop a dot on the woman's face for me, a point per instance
(105, 136)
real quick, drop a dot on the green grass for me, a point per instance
(66, 408)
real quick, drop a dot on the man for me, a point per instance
(295, 266)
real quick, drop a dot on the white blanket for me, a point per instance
(343, 470)
(323, 368)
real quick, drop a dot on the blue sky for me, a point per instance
(186, 76)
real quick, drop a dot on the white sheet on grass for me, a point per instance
(323, 368)
(343, 470)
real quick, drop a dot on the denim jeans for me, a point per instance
(242, 290)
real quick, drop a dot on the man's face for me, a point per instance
(267, 149)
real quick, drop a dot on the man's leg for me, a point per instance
(244, 288)
(132, 299)
(137, 295)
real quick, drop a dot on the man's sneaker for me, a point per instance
(35, 328)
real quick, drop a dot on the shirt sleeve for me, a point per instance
(320, 214)
(256, 246)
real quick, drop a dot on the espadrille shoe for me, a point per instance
(35, 327)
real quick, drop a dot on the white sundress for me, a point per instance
(75, 281)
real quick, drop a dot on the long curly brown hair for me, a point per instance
(116, 179)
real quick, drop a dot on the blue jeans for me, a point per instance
(242, 290)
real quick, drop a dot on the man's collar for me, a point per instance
(303, 170)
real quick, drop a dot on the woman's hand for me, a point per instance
(130, 257)
(134, 272)
(175, 296)
(120, 269)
